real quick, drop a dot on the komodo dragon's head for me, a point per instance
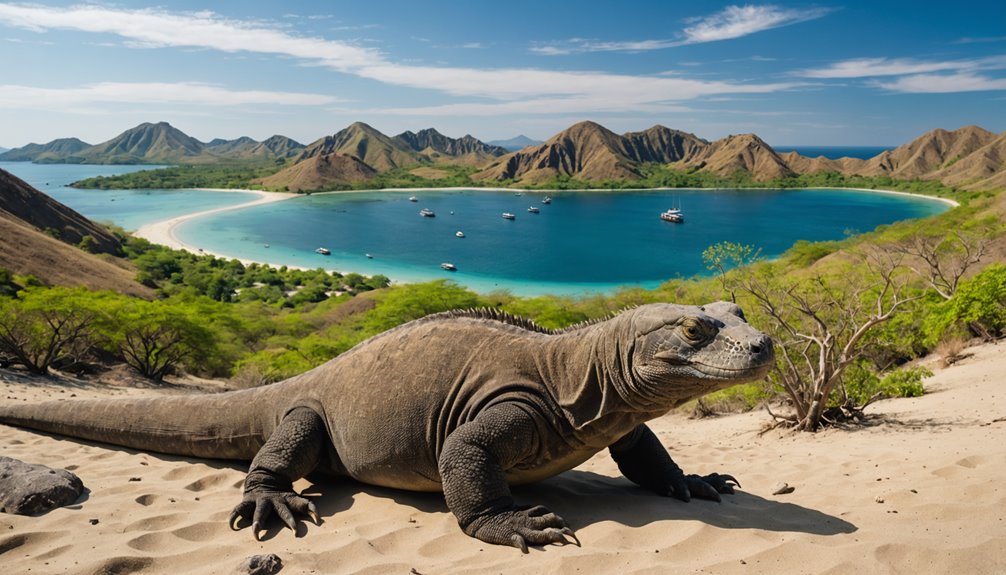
(681, 352)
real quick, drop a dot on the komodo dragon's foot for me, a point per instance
(520, 526)
(263, 498)
(708, 487)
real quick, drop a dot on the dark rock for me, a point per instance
(27, 489)
(260, 565)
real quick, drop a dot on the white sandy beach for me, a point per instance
(919, 490)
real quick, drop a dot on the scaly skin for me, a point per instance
(467, 403)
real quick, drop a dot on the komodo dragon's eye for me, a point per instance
(693, 330)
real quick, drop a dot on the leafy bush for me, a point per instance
(905, 382)
(979, 306)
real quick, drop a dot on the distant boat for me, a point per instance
(459, 234)
(533, 210)
(673, 215)
(509, 216)
(369, 257)
(547, 200)
(427, 213)
(449, 267)
(413, 199)
(323, 251)
(267, 245)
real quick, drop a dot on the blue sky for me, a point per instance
(795, 73)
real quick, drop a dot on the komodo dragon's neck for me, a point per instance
(589, 371)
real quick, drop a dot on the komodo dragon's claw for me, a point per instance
(259, 506)
(522, 526)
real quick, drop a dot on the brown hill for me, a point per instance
(982, 164)
(318, 173)
(25, 203)
(366, 144)
(159, 143)
(585, 151)
(25, 249)
(438, 147)
(928, 153)
(741, 153)
(662, 145)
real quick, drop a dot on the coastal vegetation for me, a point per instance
(848, 316)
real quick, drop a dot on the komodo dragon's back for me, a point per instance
(464, 402)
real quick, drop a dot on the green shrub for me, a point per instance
(979, 306)
(905, 382)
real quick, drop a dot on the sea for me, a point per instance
(834, 152)
(579, 243)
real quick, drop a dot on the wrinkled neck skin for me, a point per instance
(589, 372)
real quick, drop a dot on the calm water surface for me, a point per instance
(583, 241)
(129, 209)
(593, 241)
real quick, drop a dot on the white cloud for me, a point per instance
(211, 31)
(943, 83)
(737, 21)
(732, 22)
(22, 97)
(873, 67)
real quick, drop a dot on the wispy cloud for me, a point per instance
(516, 86)
(30, 97)
(943, 83)
(732, 22)
(873, 67)
(980, 40)
(918, 76)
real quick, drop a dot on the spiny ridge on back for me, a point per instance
(492, 314)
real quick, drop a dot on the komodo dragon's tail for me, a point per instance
(218, 426)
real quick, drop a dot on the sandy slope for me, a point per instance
(920, 491)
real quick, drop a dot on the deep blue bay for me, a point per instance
(582, 241)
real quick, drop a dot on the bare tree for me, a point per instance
(821, 324)
(944, 259)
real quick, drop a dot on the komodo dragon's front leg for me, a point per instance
(472, 468)
(644, 461)
(291, 452)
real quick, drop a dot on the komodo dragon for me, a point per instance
(464, 402)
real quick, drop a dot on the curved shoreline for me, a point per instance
(164, 232)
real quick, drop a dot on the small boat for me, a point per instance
(509, 216)
(533, 210)
(323, 251)
(673, 215)
(459, 234)
(547, 200)
(266, 245)
(427, 213)
(369, 257)
(413, 199)
(449, 267)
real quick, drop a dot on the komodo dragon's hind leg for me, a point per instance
(291, 452)
(643, 460)
(472, 466)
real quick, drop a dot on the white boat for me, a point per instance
(547, 200)
(427, 213)
(459, 234)
(449, 267)
(533, 210)
(673, 215)
(369, 257)
(413, 199)
(509, 216)
(323, 251)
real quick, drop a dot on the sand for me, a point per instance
(918, 491)
(163, 232)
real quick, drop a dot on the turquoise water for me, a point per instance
(583, 241)
(129, 209)
(835, 152)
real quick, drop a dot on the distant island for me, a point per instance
(585, 155)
